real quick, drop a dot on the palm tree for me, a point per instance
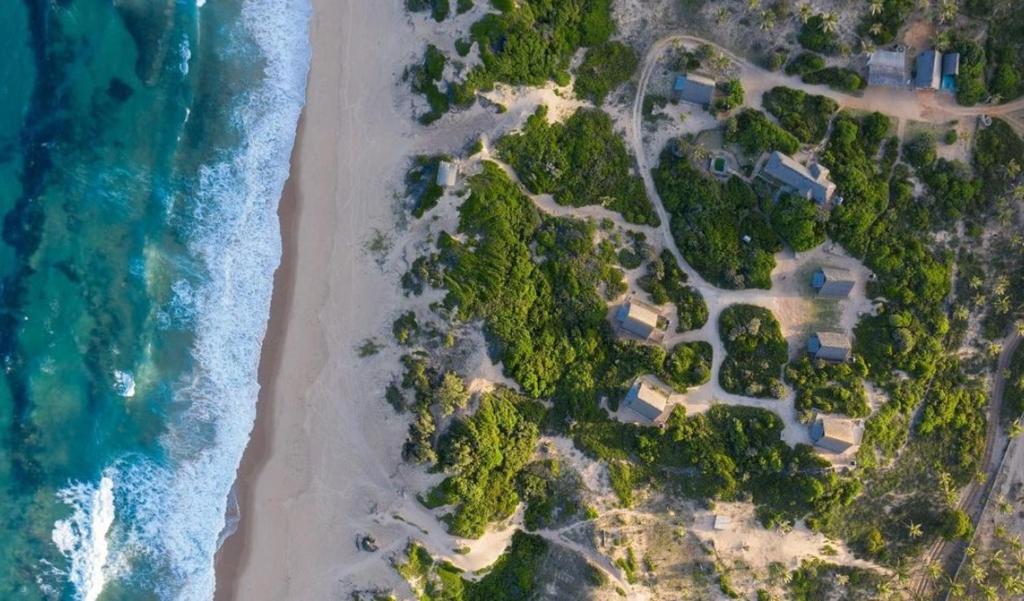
(829, 22)
(875, 7)
(914, 530)
(934, 570)
(876, 29)
(947, 11)
(804, 13)
(721, 15)
(767, 20)
(753, 4)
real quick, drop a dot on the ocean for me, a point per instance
(143, 148)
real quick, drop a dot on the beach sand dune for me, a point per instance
(324, 464)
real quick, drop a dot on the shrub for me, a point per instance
(689, 364)
(754, 133)
(756, 351)
(804, 63)
(806, 116)
(604, 68)
(813, 36)
(709, 222)
(830, 387)
(837, 78)
(580, 162)
(798, 221)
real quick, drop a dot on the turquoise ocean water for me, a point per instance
(143, 147)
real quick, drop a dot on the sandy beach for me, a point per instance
(317, 465)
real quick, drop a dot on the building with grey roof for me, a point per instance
(929, 70)
(887, 68)
(950, 70)
(829, 346)
(833, 434)
(832, 282)
(646, 399)
(639, 318)
(694, 88)
(447, 174)
(812, 182)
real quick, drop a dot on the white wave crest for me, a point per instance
(82, 538)
(178, 505)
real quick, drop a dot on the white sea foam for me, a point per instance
(82, 538)
(177, 506)
(171, 511)
(124, 383)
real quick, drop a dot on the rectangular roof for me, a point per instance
(929, 67)
(793, 174)
(887, 68)
(838, 429)
(647, 400)
(695, 88)
(833, 340)
(951, 63)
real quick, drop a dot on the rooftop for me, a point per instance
(887, 68)
(812, 183)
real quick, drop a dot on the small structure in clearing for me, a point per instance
(640, 319)
(929, 70)
(694, 88)
(887, 68)
(833, 434)
(646, 399)
(950, 70)
(829, 346)
(722, 522)
(447, 174)
(832, 282)
(811, 182)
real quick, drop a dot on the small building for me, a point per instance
(694, 88)
(833, 434)
(646, 399)
(887, 68)
(722, 522)
(929, 70)
(829, 346)
(447, 174)
(639, 318)
(832, 282)
(811, 182)
(950, 70)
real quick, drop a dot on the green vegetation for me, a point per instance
(883, 26)
(815, 36)
(755, 133)
(1006, 51)
(511, 578)
(844, 80)
(581, 162)
(421, 183)
(756, 352)
(806, 116)
(666, 282)
(629, 565)
(623, 479)
(485, 453)
(970, 83)
(534, 280)
(804, 63)
(730, 98)
(709, 222)
(532, 41)
(425, 78)
(1013, 394)
(689, 364)
(452, 394)
(816, 579)
(830, 387)
(551, 494)
(439, 9)
(405, 328)
(604, 68)
(798, 222)
(957, 524)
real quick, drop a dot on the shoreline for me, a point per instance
(233, 554)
